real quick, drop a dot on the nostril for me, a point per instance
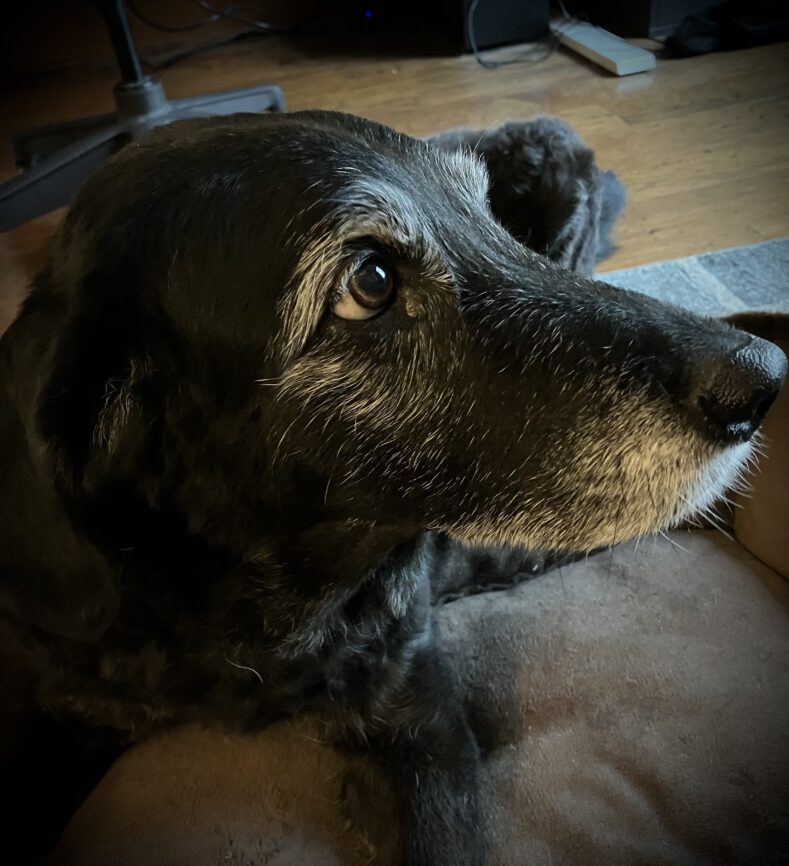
(739, 391)
(735, 422)
(763, 406)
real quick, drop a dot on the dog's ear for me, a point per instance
(50, 575)
(76, 422)
(94, 411)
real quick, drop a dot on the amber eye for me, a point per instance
(369, 289)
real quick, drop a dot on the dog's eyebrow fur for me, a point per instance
(377, 208)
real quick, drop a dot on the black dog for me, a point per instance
(267, 354)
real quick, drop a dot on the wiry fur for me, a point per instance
(217, 492)
(546, 188)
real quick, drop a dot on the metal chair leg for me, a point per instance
(59, 158)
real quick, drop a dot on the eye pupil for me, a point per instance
(373, 279)
(372, 284)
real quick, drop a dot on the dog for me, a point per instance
(271, 363)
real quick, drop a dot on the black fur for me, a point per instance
(547, 189)
(197, 529)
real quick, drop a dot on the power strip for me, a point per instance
(605, 49)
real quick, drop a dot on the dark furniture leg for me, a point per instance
(58, 159)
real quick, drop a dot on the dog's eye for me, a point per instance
(369, 289)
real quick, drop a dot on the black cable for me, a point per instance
(549, 43)
(167, 62)
(169, 28)
(217, 13)
(255, 27)
(231, 13)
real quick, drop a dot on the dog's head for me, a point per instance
(304, 326)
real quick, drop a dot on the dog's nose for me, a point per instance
(739, 390)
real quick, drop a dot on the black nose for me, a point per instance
(739, 390)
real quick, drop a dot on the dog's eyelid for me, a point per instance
(358, 258)
(371, 245)
(399, 249)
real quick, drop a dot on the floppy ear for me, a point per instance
(64, 441)
(49, 575)
(90, 410)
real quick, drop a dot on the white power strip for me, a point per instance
(605, 49)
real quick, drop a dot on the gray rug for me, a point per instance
(730, 281)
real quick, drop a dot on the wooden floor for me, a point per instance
(702, 144)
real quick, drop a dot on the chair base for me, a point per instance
(58, 159)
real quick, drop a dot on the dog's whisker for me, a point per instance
(245, 668)
(673, 542)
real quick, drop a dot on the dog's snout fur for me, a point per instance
(239, 487)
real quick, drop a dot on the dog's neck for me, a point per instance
(285, 564)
